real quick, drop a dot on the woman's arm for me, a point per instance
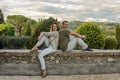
(50, 34)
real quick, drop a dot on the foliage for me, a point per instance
(94, 36)
(44, 26)
(1, 17)
(110, 42)
(118, 35)
(2, 28)
(27, 31)
(7, 29)
(20, 22)
(13, 42)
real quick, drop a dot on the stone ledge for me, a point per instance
(75, 56)
(22, 62)
(60, 69)
(59, 52)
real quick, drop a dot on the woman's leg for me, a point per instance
(44, 53)
(41, 41)
(42, 61)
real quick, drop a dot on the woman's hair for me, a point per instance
(51, 28)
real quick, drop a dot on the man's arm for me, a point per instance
(77, 35)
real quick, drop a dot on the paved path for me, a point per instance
(73, 77)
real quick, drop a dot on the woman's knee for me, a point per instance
(40, 55)
(44, 37)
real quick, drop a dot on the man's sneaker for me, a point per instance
(88, 49)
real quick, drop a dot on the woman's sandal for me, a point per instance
(44, 74)
(34, 49)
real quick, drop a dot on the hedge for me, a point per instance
(13, 42)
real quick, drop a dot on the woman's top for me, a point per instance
(53, 38)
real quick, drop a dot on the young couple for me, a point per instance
(53, 40)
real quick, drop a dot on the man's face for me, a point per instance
(65, 25)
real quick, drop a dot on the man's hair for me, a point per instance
(64, 22)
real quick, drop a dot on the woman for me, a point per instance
(51, 43)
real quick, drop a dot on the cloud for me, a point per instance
(96, 20)
(83, 10)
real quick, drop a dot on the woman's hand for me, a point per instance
(41, 33)
(39, 37)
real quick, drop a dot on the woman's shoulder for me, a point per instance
(55, 31)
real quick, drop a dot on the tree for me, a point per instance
(27, 31)
(94, 37)
(1, 17)
(118, 35)
(20, 22)
(44, 25)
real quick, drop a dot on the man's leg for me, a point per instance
(83, 45)
(71, 44)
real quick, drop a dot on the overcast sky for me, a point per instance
(82, 10)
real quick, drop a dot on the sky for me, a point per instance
(71, 10)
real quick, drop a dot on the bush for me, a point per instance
(13, 42)
(118, 35)
(9, 30)
(110, 42)
(94, 36)
(2, 28)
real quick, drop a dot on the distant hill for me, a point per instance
(75, 24)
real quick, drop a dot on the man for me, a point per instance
(68, 39)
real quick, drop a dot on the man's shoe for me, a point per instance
(88, 49)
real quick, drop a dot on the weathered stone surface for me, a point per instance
(71, 77)
(23, 62)
(60, 69)
(24, 56)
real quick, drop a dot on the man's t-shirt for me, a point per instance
(64, 38)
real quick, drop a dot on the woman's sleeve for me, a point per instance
(49, 34)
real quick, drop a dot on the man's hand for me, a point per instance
(77, 35)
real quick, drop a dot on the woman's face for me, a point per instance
(54, 27)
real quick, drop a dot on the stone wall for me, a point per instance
(23, 62)
(24, 56)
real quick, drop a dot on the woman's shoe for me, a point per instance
(44, 73)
